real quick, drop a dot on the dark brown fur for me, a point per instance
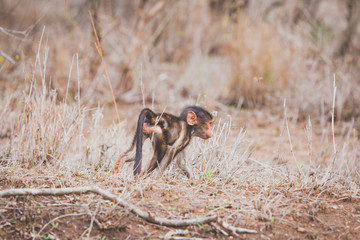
(171, 136)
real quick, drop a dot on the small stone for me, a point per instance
(300, 229)
(333, 227)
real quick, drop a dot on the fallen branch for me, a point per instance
(132, 208)
(234, 230)
(109, 196)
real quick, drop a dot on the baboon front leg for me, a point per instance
(181, 162)
(166, 161)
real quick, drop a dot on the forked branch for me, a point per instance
(132, 208)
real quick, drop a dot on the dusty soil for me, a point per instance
(69, 217)
(305, 213)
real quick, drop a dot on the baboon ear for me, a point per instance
(191, 118)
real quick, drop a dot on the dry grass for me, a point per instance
(57, 120)
(262, 63)
(252, 56)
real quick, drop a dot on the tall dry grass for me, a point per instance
(264, 63)
(42, 130)
(253, 54)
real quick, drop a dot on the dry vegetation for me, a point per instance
(287, 169)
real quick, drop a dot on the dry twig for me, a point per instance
(99, 49)
(132, 208)
(234, 230)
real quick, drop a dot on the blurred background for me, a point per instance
(225, 53)
(70, 97)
